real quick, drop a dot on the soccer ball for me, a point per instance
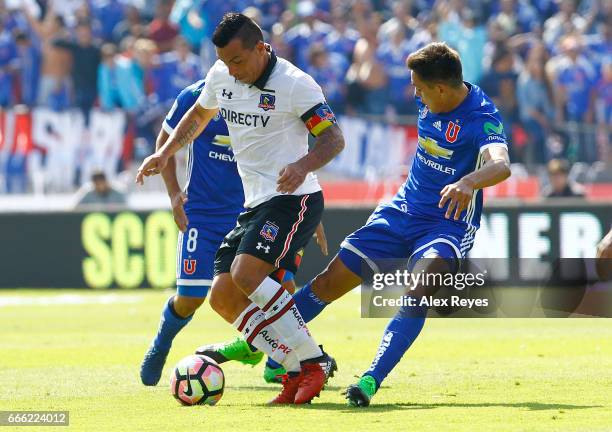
(197, 380)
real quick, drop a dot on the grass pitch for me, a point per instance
(81, 350)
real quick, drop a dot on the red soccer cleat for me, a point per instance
(312, 381)
(290, 388)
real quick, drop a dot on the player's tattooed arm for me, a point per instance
(328, 144)
(495, 170)
(177, 196)
(190, 126)
(169, 172)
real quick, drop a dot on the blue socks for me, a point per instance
(272, 364)
(399, 335)
(169, 326)
(308, 303)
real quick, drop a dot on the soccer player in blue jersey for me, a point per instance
(204, 211)
(461, 150)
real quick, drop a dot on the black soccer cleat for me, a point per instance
(360, 394)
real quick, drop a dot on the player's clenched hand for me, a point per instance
(290, 178)
(152, 165)
(178, 201)
(458, 196)
(604, 255)
(321, 238)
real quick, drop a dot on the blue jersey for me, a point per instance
(450, 145)
(213, 185)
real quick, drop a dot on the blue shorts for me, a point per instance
(391, 236)
(195, 255)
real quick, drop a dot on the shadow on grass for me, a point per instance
(276, 388)
(532, 406)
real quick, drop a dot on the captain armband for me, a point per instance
(318, 118)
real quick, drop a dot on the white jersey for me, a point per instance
(265, 124)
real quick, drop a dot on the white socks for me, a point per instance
(252, 324)
(282, 315)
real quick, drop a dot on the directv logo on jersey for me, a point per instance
(244, 119)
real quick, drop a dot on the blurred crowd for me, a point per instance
(547, 64)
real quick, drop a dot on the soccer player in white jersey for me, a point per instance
(270, 106)
(204, 211)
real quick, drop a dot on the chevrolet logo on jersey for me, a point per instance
(432, 148)
(222, 140)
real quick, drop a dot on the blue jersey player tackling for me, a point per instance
(461, 149)
(205, 210)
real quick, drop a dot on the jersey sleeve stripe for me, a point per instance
(497, 144)
(472, 206)
(167, 128)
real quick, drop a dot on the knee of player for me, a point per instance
(322, 288)
(186, 306)
(320, 283)
(242, 276)
(216, 302)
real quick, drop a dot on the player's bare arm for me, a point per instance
(328, 144)
(190, 126)
(177, 196)
(321, 238)
(495, 170)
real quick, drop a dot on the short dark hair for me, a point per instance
(236, 25)
(437, 63)
(98, 175)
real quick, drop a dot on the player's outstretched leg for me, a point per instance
(340, 277)
(404, 328)
(237, 350)
(170, 324)
(399, 335)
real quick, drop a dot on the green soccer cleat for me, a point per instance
(238, 350)
(273, 375)
(360, 394)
